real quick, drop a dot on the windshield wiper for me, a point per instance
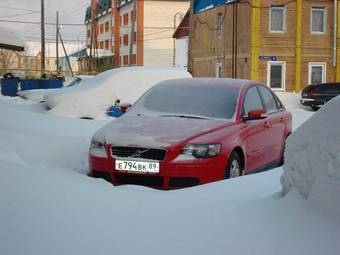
(184, 116)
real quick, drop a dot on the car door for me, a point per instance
(276, 125)
(254, 132)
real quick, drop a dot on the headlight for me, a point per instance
(97, 149)
(202, 150)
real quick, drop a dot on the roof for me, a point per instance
(183, 28)
(11, 40)
(102, 7)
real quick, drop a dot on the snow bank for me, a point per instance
(312, 164)
(94, 98)
(290, 100)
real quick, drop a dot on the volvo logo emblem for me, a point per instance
(138, 153)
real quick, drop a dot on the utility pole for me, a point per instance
(93, 42)
(57, 42)
(180, 14)
(67, 58)
(42, 37)
(132, 31)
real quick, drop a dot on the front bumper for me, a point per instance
(311, 102)
(173, 174)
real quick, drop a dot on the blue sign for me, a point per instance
(271, 58)
(202, 5)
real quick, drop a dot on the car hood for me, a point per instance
(157, 132)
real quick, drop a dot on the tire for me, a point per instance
(234, 166)
(315, 108)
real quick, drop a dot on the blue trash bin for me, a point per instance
(51, 84)
(114, 111)
(9, 87)
(29, 84)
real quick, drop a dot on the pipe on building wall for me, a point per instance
(335, 31)
(298, 45)
(255, 39)
(337, 70)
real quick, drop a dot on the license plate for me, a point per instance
(137, 166)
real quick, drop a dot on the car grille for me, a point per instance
(135, 152)
(152, 181)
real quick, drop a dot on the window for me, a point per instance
(134, 37)
(268, 99)
(133, 59)
(88, 33)
(318, 20)
(277, 18)
(126, 40)
(101, 45)
(125, 60)
(101, 28)
(131, 15)
(252, 101)
(218, 68)
(276, 75)
(219, 25)
(107, 26)
(316, 73)
(126, 19)
(107, 44)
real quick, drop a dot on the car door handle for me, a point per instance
(282, 120)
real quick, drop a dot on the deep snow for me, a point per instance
(313, 158)
(50, 206)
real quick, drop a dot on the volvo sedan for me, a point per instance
(186, 132)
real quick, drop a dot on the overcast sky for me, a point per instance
(70, 11)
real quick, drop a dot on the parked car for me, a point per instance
(185, 132)
(38, 94)
(317, 95)
(95, 99)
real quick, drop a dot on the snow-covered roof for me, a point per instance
(11, 40)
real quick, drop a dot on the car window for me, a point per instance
(268, 98)
(252, 101)
(328, 87)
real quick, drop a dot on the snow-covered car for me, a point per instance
(38, 94)
(92, 100)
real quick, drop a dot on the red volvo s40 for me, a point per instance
(186, 132)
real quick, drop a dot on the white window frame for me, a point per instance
(317, 64)
(218, 68)
(324, 9)
(283, 22)
(219, 25)
(283, 64)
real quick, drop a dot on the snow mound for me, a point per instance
(312, 157)
(93, 98)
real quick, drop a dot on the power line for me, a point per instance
(17, 9)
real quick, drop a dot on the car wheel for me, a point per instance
(234, 166)
(315, 108)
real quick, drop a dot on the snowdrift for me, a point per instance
(312, 164)
(92, 99)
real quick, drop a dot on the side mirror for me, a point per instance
(124, 107)
(256, 114)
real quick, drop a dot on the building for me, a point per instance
(181, 37)
(153, 29)
(284, 44)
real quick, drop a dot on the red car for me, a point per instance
(186, 132)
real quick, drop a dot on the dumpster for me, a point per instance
(29, 84)
(40, 84)
(51, 84)
(9, 87)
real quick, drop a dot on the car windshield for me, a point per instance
(189, 101)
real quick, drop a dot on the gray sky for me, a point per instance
(70, 11)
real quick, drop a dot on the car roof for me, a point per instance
(203, 81)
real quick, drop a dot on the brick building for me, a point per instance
(284, 44)
(152, 43)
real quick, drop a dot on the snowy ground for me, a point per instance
(49, 205)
